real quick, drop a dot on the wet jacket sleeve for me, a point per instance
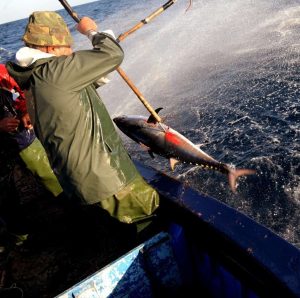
(83, 68)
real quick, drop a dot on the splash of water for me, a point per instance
(227, 72)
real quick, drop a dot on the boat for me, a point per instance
(202, 248)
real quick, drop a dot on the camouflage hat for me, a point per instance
(47, 28)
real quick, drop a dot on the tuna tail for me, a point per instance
(234, 174)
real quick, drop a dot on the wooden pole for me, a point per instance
(138, 94)
(146, 20)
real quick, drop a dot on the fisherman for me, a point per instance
(71, 120)
(16, 126)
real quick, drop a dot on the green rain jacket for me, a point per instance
(78, 134)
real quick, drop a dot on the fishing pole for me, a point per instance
(149, 18)
(146, 20)
(70, 10)
(122, 73)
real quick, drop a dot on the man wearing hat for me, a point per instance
(70, 119)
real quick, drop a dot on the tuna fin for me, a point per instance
(173, 162)
(144, 147)
(233, 175)
(151, 119)
(148, 149)
(206, 142)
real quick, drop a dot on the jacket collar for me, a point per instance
(27, 56)
(27, 59)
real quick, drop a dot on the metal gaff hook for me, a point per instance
(189, 6)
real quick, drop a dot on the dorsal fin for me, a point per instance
(151, 118)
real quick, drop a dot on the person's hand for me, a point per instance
(85, 25)
(26, 121)
(9, 124)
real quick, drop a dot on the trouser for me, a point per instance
(135, 203)
(36, 160)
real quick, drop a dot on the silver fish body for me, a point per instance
(165, 141)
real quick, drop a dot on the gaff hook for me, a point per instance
(189, 6)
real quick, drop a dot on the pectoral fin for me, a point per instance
(173, 162)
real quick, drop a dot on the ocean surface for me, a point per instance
(227, 74)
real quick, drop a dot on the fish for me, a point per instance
(159, 138)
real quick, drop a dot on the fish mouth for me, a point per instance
(122, 124)
(118, 120)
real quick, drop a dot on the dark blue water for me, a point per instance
(227, 74)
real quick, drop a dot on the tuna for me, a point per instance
(163, 140)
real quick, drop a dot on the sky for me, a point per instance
(12, 10)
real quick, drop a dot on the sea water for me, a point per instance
(227, 74)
